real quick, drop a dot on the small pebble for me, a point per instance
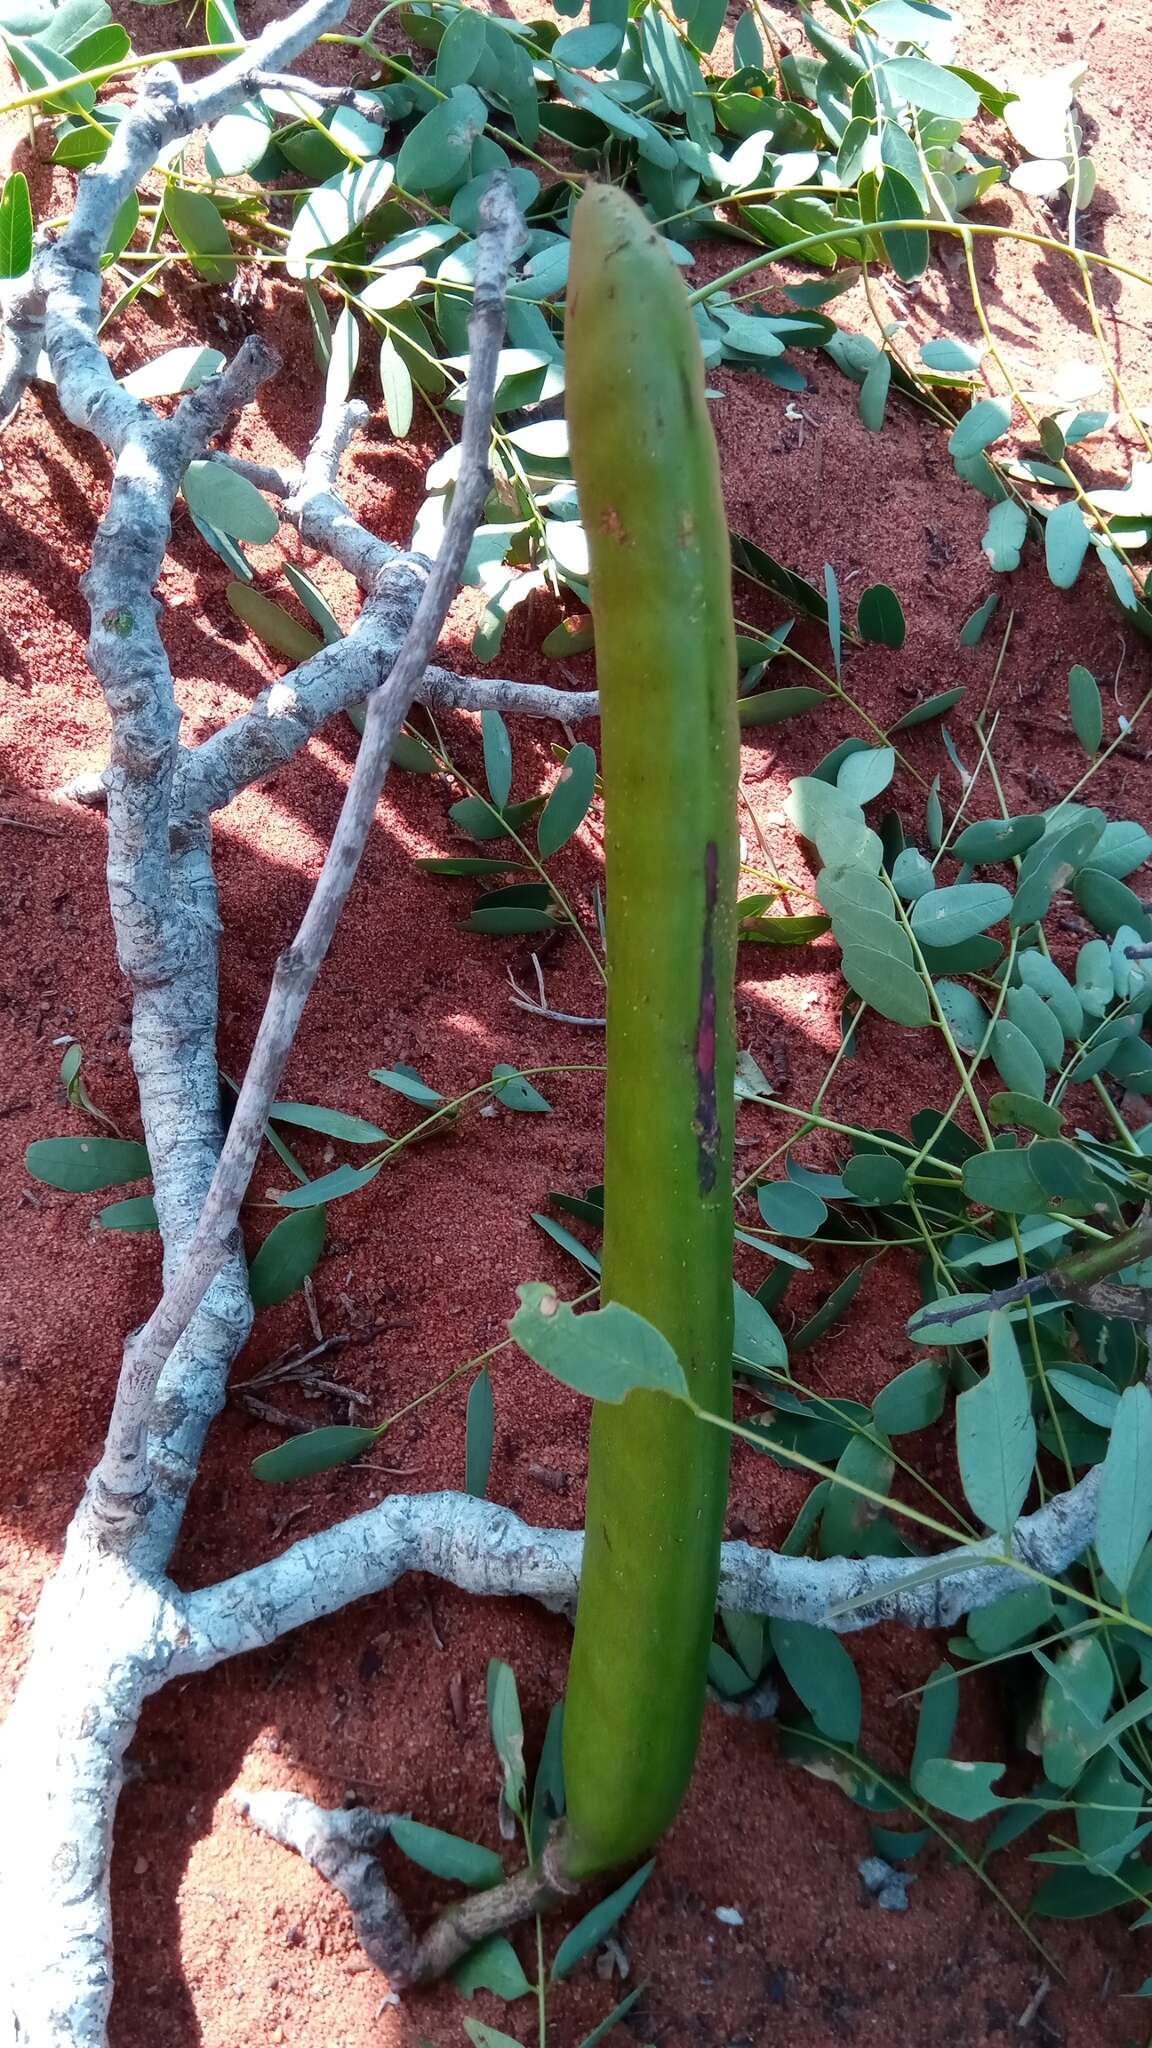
(888, 1887)
(729, 1916)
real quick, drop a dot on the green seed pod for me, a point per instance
(646, 466)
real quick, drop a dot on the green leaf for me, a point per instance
(396, 385)
(343, 1180)
(1010, 1106)
(961, 1789)
(1089, 1393)
(434, 156)
(939, 1707)
(482, 2036)
(866, 773)
(1031, 1014)
(1108, 1805)
(931, 88)
(1124, 1515)
(567, 1242)
(588, 49)
(318, 608)
(268, 620)
(747, 47)
(1119, 575)
(783, 931)
(880, 617)
(1066, 845)
(829, 1311)
(932, 707)
(138, 1212)
(874, 392)
(178, 369)
(966, 1016)
(1004, 535)
(229, 503)
(1003, 1181)
(235, 144)
(517, 1093)
(403, 1082)
(907, 249)
(605, 1353)
(946, 917)
(798, 593)
(612, 2019)
(506, 1727)
(461, 51)
(1122, 847)
(83, 1165)
(475, 816)
(1109, 903)
(479, 1436)
(955, 358)
(497, 757)
(1075, 1701)
(492, 1966)
(331, 1123)
(756, 1341)
(343, 359)
(597, 1925)
(972, 631)
(466, 864)
(1085, 708)
(912, 875)
(835, 825)
(1066, 537)
(447, 1856)
(823, 1675)
(848, 1519)
(318, 1451)
(832, 603)
(770, 707)
(997, 839)
(39, 65)
(791, 1210)
(198, 225)
(567, 806)
(331, 212)
(1009, 1620)
(888, 984)
(1040, 974)
(16, 226)
(982, 424)
(913, 1400)
(287, 1256)
(508, 921)
(875, 1179)
(1017, 1061)
(1078, 1894)
(995, 1434)
(1094, 980)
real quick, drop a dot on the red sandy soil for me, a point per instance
(222, 1938)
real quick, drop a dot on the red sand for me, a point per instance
(222, 1938)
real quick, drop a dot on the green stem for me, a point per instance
(646, 466)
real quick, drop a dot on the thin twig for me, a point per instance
(324, 95)
(30, 825)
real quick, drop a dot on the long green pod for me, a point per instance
(646, 466)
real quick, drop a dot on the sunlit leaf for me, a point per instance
(605, 1353)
